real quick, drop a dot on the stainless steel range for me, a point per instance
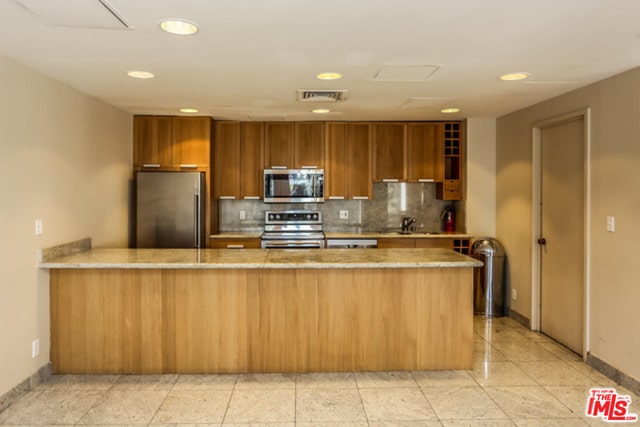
(292, 229)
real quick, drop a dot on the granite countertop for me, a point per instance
(237, 235)
(260, 259)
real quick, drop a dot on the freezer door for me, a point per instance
(170, 209)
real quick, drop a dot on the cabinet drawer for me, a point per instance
(247, 243)
(451, 185)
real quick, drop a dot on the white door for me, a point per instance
(562, 233)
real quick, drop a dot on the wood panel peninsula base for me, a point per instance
(267, 311)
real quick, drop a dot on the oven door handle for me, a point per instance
(291, 244)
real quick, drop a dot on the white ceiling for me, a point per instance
(250, 56)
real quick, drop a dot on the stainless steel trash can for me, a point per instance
(488, 281)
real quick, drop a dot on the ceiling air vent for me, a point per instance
(322, 95)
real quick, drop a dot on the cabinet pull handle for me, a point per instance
(336, 197)
(389, 179)
(308, 167)
(151, 165)
(426, 180)
(227, 197)
(278, 167)
(188, 166)
(360, 197)
(252, 197)
(235, 246)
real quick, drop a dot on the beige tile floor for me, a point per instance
(519, 378)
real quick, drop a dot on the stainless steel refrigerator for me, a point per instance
(170, 209)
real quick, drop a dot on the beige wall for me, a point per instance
(615, 180)
(481, 177)
(65, 158)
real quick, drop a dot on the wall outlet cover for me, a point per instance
(344, 214)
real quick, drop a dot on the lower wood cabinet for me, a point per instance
(235, 243)
(459, 245)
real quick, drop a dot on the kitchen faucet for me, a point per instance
(406, 222)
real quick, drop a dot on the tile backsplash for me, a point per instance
(391, 202)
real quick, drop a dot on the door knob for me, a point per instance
(542, 241)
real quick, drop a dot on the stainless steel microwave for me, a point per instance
(293, 185)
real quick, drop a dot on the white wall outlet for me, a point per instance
(344, 214)
(514, 294)
(35, 348)
(243, 215)
(38, 227)
(611, 224)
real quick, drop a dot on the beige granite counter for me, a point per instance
(259, 259)
(393, 235)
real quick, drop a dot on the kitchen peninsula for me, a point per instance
(148, 311)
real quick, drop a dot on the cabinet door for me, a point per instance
(251, 160)
(278, 145)
(434, 243)
(226, 160)
(191, 142)
(386, 243)
(389, 151)
(152, 136)
(309, 145)
(336, 167)
(424, 146)
(358, 162)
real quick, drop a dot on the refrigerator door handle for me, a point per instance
(196, 198)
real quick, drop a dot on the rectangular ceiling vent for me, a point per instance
(322, 95)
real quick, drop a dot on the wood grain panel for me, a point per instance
(278, 145)
(251, 159)
(192, 141)
(282, 319)
(152, 140)
(106, 321)
(389, 151)
(336, 179)
(288, 320)
(226, 160)
(359, 155)
(424, 143)
(400, 242)
(204, 322)
(445, 331)
(309, 145)
(434, 243)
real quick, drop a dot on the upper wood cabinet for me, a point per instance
(164, 142)
(294, 145)
(389, 151)
(348, 161)
(152, 140)
(191, 142)
(309, 145)
(238, 160)
(226, 160)
(424, 148)
(251, 160)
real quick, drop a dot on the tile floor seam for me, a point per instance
(233, 389)
(160, 405)
(104, 392)
(429, 403)
(364, 408)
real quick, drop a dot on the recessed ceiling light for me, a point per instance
(328, 76)
(189, 110)
(179, 26)
(515, 76)
(321, 111)
(449, 110)
(136, 74)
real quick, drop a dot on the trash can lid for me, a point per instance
(487, 246)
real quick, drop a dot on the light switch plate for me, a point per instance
(611, 224)
(243, 215)
(38, 227)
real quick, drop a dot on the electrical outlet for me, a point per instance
(38, 227)
(344, 214)
(514, 294)
(611, 224)
(35, 348)
(243, 215)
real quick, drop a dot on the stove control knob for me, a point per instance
(308, 216)
(315, 216)
(277, 216)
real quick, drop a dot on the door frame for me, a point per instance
(585, 115)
